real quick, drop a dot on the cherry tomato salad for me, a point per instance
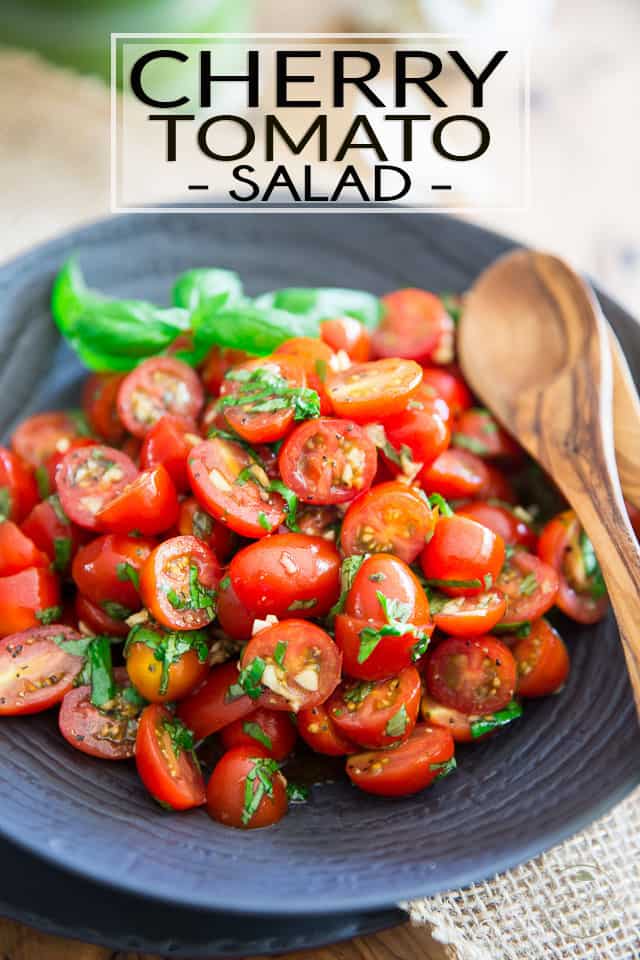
(277, 525)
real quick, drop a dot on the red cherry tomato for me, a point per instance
(109, 734)
(271, 729)
(530, 587)
(17, 551)
(543, 661)
(23, 596)
(317, 729)
(215, 705)
(18, 488)
(416, 325)
(581, 591)
(476, 675)
(100, 405)
(503, 520)
(377, 713)
(319, 521)
(496, 486)
(158, 386)
(445, 718)
(94, 619)
(91, 477)
(178, 583)
(463, 558)
(169, 443)
(450, 387)
(234, 777)
(168, 769)
(218, 362)
(287, 575)
(254, 425)
(405, 769)
(52, 532)
(422, 428)
(314, 357)
(468, 616)
(39, 437)
(54, 462)
(301, 665)
(476, 430)
(193, 521)
(233, 616)
(348, 334)
(390, 518)
(328, 461)
(456, 474)
(148, 505)
(160, 682)
(107, 570)
(634, 517)
(225, 481)
(379, 388)
(35, 671)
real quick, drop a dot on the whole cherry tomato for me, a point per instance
(463, 557)
(415, 325)
(247, 790)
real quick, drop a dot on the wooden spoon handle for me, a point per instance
(626, 417)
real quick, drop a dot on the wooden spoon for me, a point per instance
(534, 346)
(626, 423)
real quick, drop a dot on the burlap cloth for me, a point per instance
(580, 900)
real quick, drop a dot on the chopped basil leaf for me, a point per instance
(77, 648)
(199, 598)
(100, 670)
(169, 647)
(49, 615)
(592, 569)
(494, 721)
(465, 442)
(115, 610)
(396, 615)
(5, 504)
(62, 553)
(56, 506)
(303, 604)
(180, 735)
(263, 391)
(255, 730)
(456, 584)
(249, 681)
(279, 652)
(225, 583)
(131, 695)
(259, 783)
(521, 629)
(436, 500)
(321, 369)
(358, 692)
(397, 725)
(528, 585)
(42, 480)
(488, 581)
(296, 793)
(291, 503)
(348, 571)
(263, 521)
(126, 571)
(445, 768)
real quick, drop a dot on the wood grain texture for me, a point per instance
(626, 423)
(18, 942)
(544, 367)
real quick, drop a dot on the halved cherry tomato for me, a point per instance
(422, 428)
(287, 575)
(246, 418)
(17, 551)
(100, 405)
(233, 616)
(272, 729)
(178, 583)
(18, 488)
(530, 586)
(148, 505)
(406, 768)
(159, 677)
(216, 703)
(314, 357)
(450, 387)
(475, 675)
(94, 619)
(167, 767)
(348, 334)
(328, 461)
(219, 361)
(390, 518)
(543, 661)
(463, 558)
(53, 464)
(456, 474)
(109, 734)
(23, 596)
(318, 730)
(376, 713)
(42, 435)
(446, 718)
(581, 592)
(158, 386)
(35, 671)
(193, 521)
(168, 443)
(91, 477)
(233, 488)
(468, 616)
(299, 665)
(107, 570)
(476, 430)
(379, 388)
(503, 520)
(415, 325)
(234, 777)
(497, 486)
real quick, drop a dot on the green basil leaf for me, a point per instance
(325, 302)
(494, 721)
(212, 286)
(133, 328)
(49, 615)
(247, 327)
(255, 731)
(70, 296)
(296, 793)
(397, 725)
(103, 688)
(444, 768)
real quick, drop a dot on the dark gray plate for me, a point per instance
(570, 759)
